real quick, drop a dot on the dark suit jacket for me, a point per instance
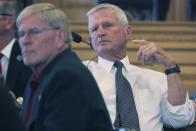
(17, 74)
(9, 117)
(68, 99)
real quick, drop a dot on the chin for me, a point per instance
(28, 62)
(104, 49)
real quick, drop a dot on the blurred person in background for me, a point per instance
(15, 73)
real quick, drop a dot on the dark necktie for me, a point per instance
(1, 55)
(126, 114)
(34, 87)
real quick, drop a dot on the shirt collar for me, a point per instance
(7, 50)
(107, 64)
(36, 79)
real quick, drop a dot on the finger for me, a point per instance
(141, 42)
(149, 55)
(154, 56)
(143, 58)
(144, 55)
(12, 94)
(147, 58)
(140, 53)
(145, 51)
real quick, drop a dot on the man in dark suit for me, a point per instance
(15, 73)
(62, 95)
(9, 120)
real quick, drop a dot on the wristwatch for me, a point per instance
(173, 70)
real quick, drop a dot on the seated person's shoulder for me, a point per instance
(93, 66)
(90, 64)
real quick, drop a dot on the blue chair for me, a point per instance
(191, 10)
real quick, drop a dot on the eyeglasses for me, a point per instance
(5, 14)
(34, 32)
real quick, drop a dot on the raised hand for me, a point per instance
(150, 53)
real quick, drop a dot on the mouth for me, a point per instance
(102, 42)
(27, 53)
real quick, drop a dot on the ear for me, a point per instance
(61, 38)
(128, 32)
(11, 22)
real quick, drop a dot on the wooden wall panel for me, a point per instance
(74, 9)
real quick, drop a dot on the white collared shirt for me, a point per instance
(6, 57)
(150, 93)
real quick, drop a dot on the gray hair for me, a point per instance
(50, 14)
(119, 13)
(11, 8)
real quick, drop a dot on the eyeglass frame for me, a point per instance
(33, 33)
(5, 14)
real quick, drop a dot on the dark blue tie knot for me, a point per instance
(118, 64)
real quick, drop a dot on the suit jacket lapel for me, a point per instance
(27, 95)
(14, 63)
(35, 109)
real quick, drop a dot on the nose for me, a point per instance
(101, 31)
(25, 39)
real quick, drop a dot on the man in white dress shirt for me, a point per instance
(14, 71)
(160, 99)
